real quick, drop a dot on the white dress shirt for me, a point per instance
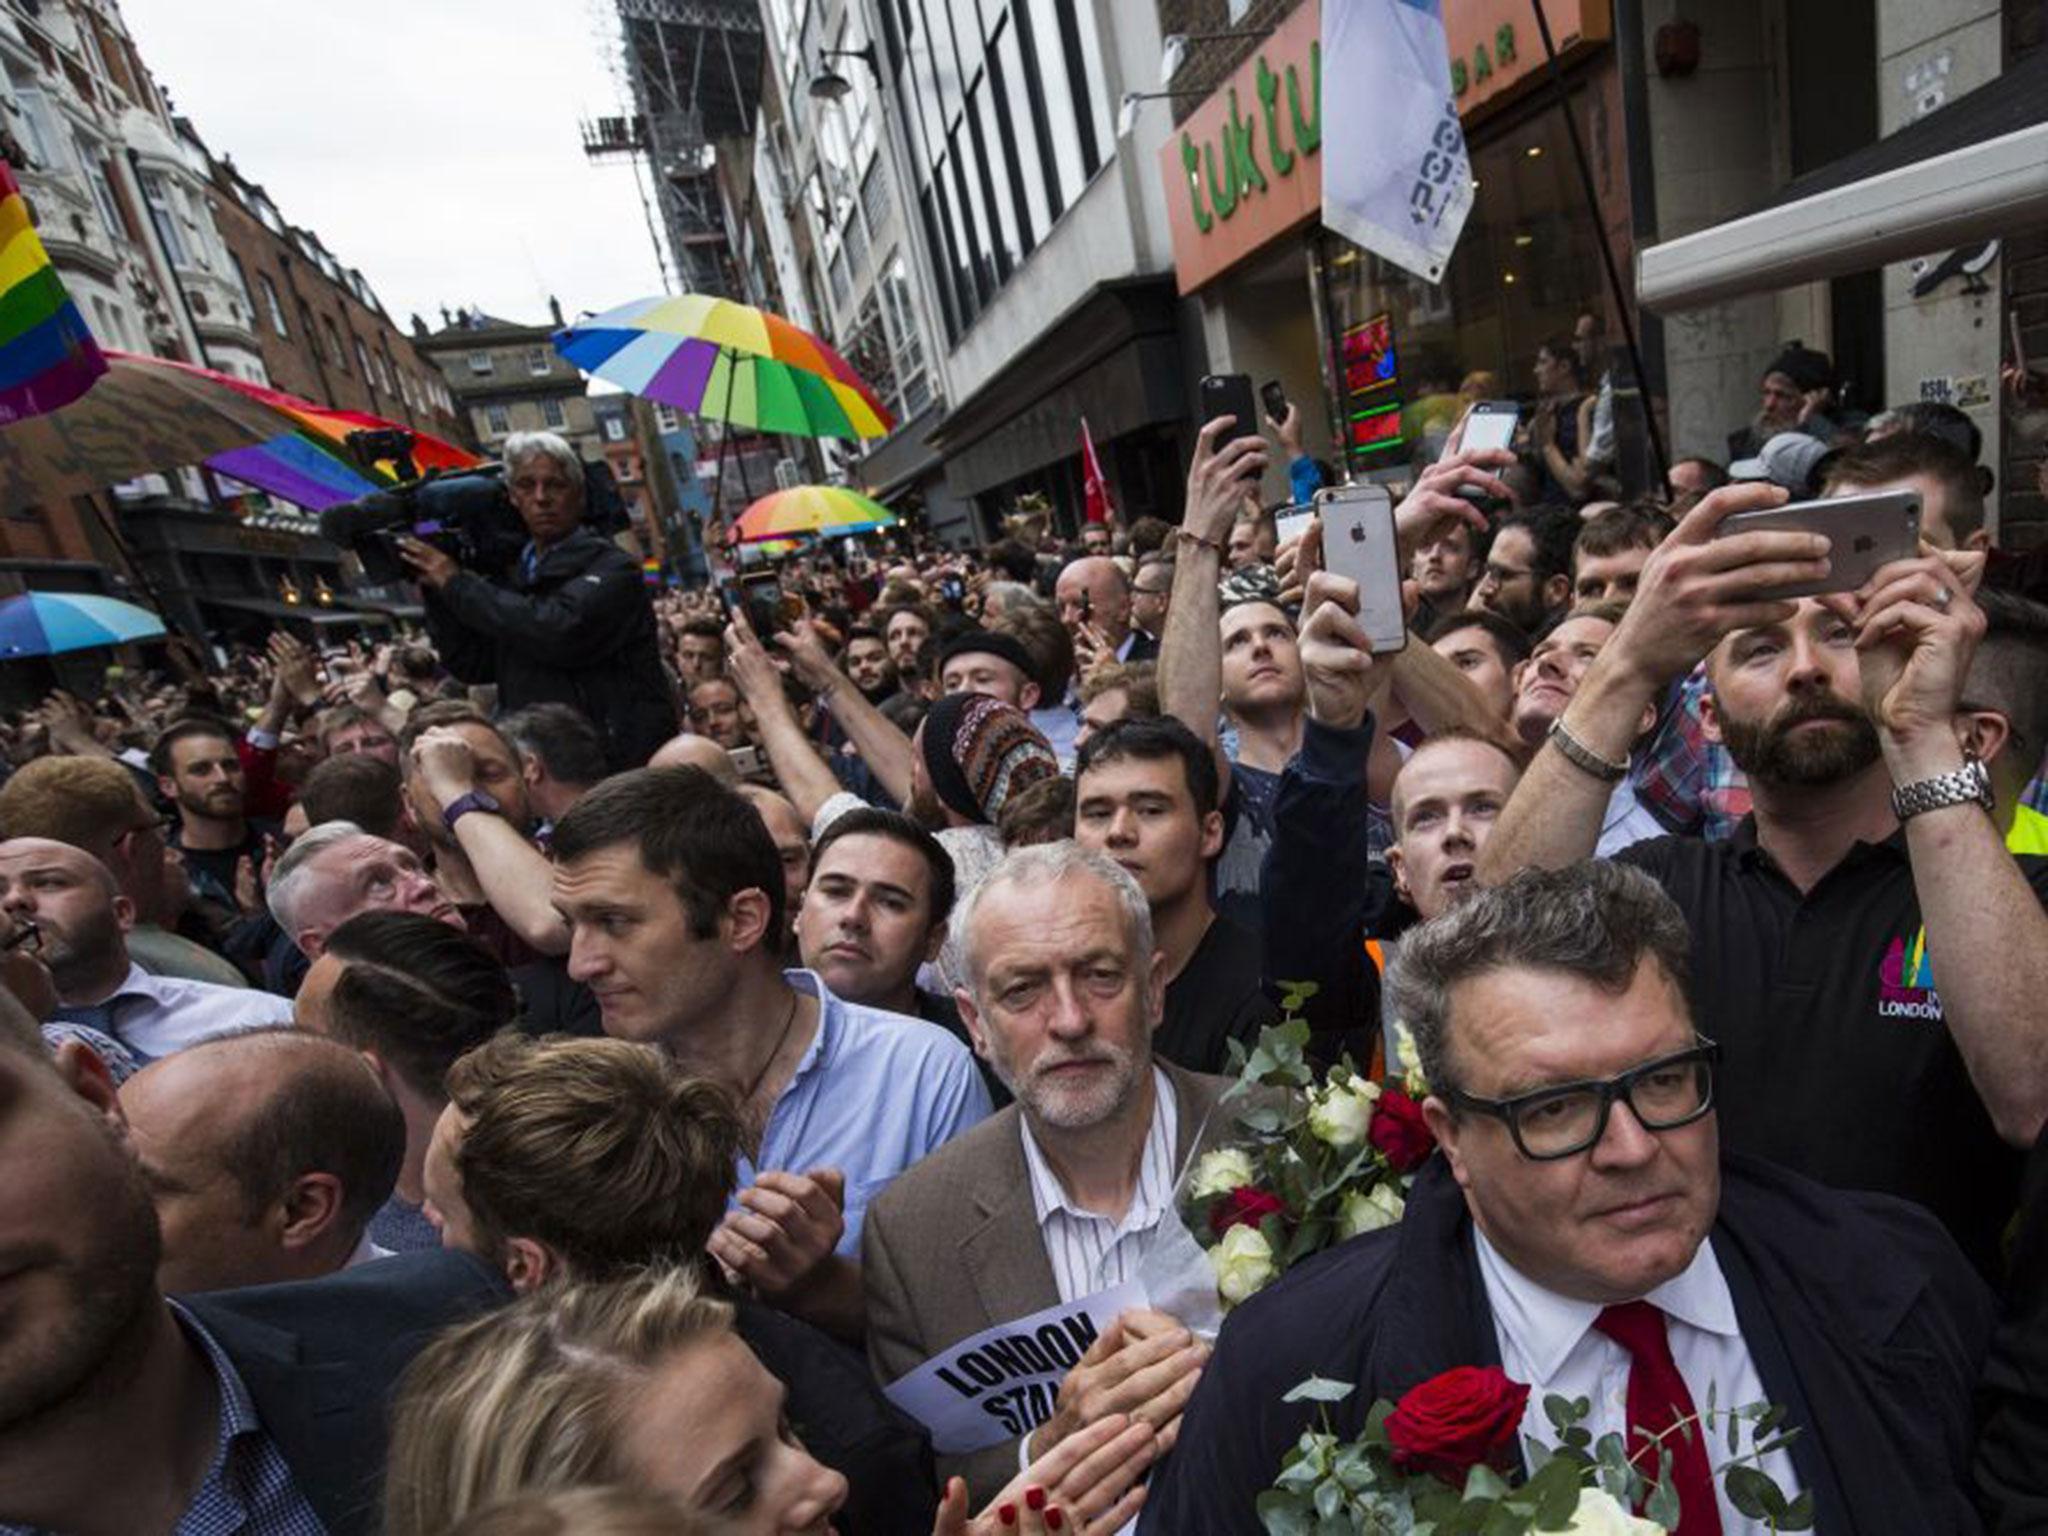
(1549, 1341)
(156, 1015)
(1091, 1253)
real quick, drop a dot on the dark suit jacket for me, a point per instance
(1865, 1322)
(321, 1359)
(2012, 1452)
(953, 1247)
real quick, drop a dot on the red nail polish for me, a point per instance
(1007, 1514)
(1054, 1519)
(1035, 1497)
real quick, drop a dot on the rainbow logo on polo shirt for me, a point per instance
(1905, 982)
(48, 357)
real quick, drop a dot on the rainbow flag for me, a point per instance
(47, 355)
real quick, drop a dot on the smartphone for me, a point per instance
(1274, 399)
(1293, 523)
(1359, 543)
(1230, 394)
(1863, 533)
(747, 761)
(1491, 424)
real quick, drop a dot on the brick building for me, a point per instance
(317, 324)
(507, 378)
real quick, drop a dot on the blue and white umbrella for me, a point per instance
(44, 623)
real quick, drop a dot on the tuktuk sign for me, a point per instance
(1245, 168)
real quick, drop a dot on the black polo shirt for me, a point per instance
(1215, 999)
(1834, 1058)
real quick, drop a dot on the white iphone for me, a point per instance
(1359, 543)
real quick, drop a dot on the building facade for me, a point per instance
(506, 377)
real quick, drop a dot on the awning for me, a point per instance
(1977, 169)
(270, 608)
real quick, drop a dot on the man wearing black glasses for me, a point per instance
(1583, 1231)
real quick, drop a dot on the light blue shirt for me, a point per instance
(875, 1092)
(156, 1015)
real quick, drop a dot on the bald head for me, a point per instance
(77, 907)
(689, 750)
(267, 1153)
(792, 842)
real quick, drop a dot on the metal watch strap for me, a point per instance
(1583, 757)
(1967, 785)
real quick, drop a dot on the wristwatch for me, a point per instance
(1967, 785)
(462, 805)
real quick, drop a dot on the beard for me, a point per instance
(1073, 1108)
(1772, 751)
(102, 1296)
(925, 809)
(76, 954)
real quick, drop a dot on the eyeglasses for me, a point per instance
(27, 939)
(1501, 575)
(1560, 1122)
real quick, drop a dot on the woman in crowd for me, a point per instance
(642, 1382)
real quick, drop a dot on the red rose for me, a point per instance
(1245, 1206)
(1454, 1422)
(1399, 1132)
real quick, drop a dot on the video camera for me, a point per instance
(467, 514)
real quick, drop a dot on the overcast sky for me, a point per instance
(432, 144)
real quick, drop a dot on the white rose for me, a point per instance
(1368, 1212)
(1221, 1171)
(1601, 1514)
(1341, 1115)
(1409, 1061)
(1243, 1262)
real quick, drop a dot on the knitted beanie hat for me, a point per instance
(979, 751)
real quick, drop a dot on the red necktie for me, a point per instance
(1657, 1399)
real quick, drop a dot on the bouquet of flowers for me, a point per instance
(1439, 1462)
(1316, 1163)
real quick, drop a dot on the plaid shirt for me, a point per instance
(1690, 784)
(248, 1490)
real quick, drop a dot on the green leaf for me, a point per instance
(1329, 1500)
(1264, 1120)
(1556, 1489)
(1563, 1412)
(1746, 1485)
(1282, 1514)
(1798, 1514)
(1662, 1505)
(1320, 1389)
(1482, 1482)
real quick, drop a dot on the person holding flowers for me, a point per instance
(1583, 1261)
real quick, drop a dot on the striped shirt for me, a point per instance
(1091, 1253)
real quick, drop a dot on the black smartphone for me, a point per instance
(1274, 399)
(1230, 394)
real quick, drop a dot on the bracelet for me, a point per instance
(1583, 757)
(1201, 540)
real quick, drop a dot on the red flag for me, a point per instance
(1094, 486)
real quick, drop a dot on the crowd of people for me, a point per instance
(555, 1072)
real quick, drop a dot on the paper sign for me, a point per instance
(1001, 1382)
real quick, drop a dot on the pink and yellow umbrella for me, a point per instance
(727, 361)
(828, 511)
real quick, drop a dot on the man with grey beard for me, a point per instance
(1058, 1197)
(1871, 870)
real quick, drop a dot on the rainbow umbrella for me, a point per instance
(44, 623)
(727, 361)
(307, 460)
(829, 511)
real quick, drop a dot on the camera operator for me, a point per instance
(571, 624)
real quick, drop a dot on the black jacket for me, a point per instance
(321, 1359)
(1865, 1322)
(2012, 1452)
(580, 631)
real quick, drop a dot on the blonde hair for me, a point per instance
(606, 1511)
(534, 1398)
